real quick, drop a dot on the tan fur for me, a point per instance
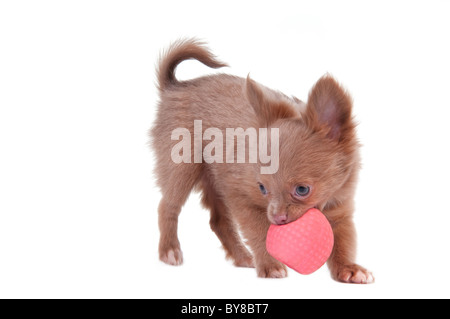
(318, 148)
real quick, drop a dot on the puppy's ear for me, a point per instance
(267, 108)
(329, 109)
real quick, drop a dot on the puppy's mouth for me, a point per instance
(283, 219)
(279, 219)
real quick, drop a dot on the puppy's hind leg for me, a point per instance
(169, 245)
(176, 184)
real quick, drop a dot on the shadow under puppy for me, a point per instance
(318, 163)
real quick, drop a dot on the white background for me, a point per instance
(77, 197)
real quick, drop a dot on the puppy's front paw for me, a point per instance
(272, 271)
(172, 257)
(354, 274)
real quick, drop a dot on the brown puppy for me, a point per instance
(314, 161)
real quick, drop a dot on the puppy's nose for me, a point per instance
(280, 219)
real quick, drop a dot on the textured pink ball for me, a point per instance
(303, 245)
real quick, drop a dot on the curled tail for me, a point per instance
(177, 53)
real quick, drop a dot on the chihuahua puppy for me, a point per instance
(316, 166)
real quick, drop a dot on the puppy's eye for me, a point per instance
(302, 190)
(262, 189)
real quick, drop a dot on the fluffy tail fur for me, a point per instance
(177, 53)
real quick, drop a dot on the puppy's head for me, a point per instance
(318, 152)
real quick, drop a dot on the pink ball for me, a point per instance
(303, 245)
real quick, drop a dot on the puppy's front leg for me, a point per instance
(342, 260)
(255, 230)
